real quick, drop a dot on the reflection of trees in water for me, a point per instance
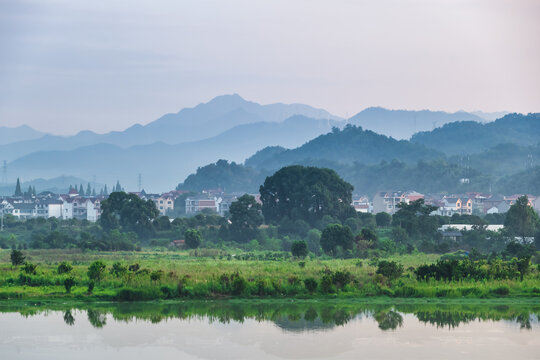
(97, 318)
(389, 320)
(297, 316)
(68, 318)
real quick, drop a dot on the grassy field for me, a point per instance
(181, 275)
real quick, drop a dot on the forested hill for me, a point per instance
(352, 144)
(469, 137)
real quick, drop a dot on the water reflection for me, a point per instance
(294, 316)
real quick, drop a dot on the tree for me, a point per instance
(414, 218)
(128, 212)
(96, 270)
(18, 191)
(299, 249)
(521, 219)
(192, 238)
(81, 190)
(383, 219)
(88, 190)
(64, 268)
(246, 217)
(390, 269)
(69, 283)
(17, 257)
(118, 187)
(306, 193)
(335, 235)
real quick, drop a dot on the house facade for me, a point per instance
(388, 201)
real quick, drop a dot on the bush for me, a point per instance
(96, 270)
(327, 283)
(156, 275)
(310, 284)
(299, 249)
(238, 285)
(501, 290)
(29, 268)
(90, 287)
(69, 283)
(17, 257)
(193, 238)
(64, 268)
(118, 269)
(341, 279)
(389, 269)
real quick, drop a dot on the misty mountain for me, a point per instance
(402, 124)
(471, 137)
(162, 165)
(10, 135)
(191, 124)
(347, 146)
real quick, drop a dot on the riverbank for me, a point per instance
(149, 276)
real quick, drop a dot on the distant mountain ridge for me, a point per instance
(350, 145)
(10, 135)
(402, 124)
(470, 137)
(190, 124)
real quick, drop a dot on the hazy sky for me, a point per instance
(68, 65)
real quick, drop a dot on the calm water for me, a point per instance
(224, 330)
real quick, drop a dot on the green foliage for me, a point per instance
(245, 219)
(17, 257)
(68, 284)
(389, 269)
(128, 212)
(192, 238)
(521, 219)
(415, 218)
(334, 236)
(96, 270)
(156, 275)
(305, 193)
(118, 270)
(299, 249)
(310, 284)
(29, 268)
(64, 268)
(383, 219)
(231, 176)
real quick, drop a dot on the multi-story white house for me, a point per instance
(388, 201)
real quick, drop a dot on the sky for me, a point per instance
(71, 65)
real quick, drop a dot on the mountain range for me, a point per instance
(228, 127)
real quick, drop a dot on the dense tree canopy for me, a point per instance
(414, 218)
(336, 235)
(128, 212)
(246, 217)
(306, 193)
(521, 219)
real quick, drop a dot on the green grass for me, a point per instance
(189, 277)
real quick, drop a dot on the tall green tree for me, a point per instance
(18, 191)
(128, 212)
(335, 235)
(306, 193)
(81, 190)
(414, 218)
(88, 190)
(193, 238)
(246, 217)
(521, 219)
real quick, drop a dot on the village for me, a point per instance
(76, 204)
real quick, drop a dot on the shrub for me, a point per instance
(193, 238)
(118, 269)
(96, 270)
(69, 283)
(90, 287)
(29, 268)
(341, 278)
(389, 269)
(501, 290)
(310, 284)
(327, 284)
(156, 275)
(238, 285)
(17, 257)
(134, 267)
(299, 249)
(64, 268)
